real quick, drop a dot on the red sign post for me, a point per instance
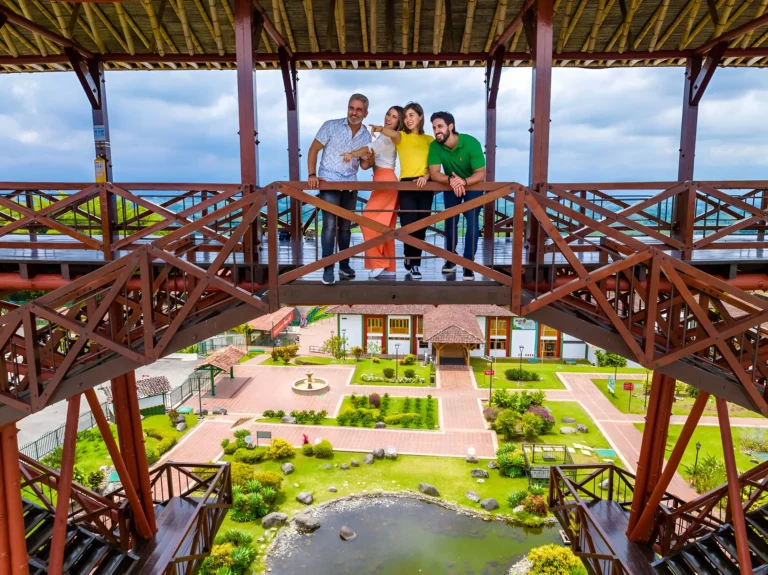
(489, 372)
(630, 387)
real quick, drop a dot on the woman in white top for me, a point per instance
(382, 205)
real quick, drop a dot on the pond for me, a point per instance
(397, 536)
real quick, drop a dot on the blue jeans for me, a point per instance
(472, 218)
(332, 231)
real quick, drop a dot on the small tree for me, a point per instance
(373, 348)
(608, 359)
(335, 346)
(357, 352)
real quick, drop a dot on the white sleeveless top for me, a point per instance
(385, 151)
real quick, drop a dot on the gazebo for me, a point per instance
(453, 332)
(221, 361)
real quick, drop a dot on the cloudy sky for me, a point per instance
(607, 125)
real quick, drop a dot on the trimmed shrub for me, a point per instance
(231, 448)
(547, 419)
(409, 373)
(95, 479)
(324, 449)
(555, 560)
(375, 400)
(608, 359)
(269, 479)
(401, 418)
(507, 422)
(375, 360)
(531, 425)
(234, 536)
(241, 433)
(224, 443)
(307, 449)
(517, 374)
(535, 504)
(389, 372)
(279, 449)
(152, 457)
(516, 497)
(409, 359)
(357, 352)
(491, 413)
(268, 414)
(251, 456)
(241, 473)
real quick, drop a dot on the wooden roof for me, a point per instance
(149, 386)
(452, 324)
(171, 34)
(223, 358)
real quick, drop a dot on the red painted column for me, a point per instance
(689, 123)
(492, 78)
(15, 560)
(649, 466)
(246, 23)
(64, 487)
(541, 97)
(291, 82)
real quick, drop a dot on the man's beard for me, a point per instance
(355, 122)
(441, 137)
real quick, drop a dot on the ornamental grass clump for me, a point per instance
(555, 560)
(279, 449)
(510, 460)
(251, 501)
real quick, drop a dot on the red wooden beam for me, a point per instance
(14, 18)
(714, 57)
(9, 448)
(64, 488)
(517, 21)
(270, 29)
(735, 33)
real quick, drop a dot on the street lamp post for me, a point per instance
(645, 391)
(200, 397)
(344, 343)
(520, 370)
(696, 461)
(397, 371)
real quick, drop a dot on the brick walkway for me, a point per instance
(257, 388)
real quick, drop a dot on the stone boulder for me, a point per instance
(428, 489)
(197, 412)
(354, 463)
(369, 459)
(181, 426)
(568, 420)
(219, 411)
(479, 473)
(605, 485)
(332, 489)
(582, 428)
(305, 497)
(344, 466)
(489, 504)
(472, 496)
(391, 453)
(288, 419)
(328, 466)
(380, 425)
(306, 523)
(179, 419)
(568, 430)
(470, 459)
(346, 533)
(378, 453)
(273, 520)
(286, 468)
(492, 464)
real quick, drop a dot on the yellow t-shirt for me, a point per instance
(413, 151)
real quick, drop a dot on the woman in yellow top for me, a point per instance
(412, 149)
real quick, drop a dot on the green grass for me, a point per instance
(92, 454)
(451, 476)
(681, 407)
(250, 355)
(711, 444)
(546, 370)
(312, 359)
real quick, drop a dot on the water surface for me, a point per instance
(404, 537)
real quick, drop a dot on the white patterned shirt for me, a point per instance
(386, 154)
(336, 138)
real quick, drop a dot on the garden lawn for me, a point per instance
(711, 444)
(250, 355)
(366, 367)
(451, 476)
(546, 370)
(308, 359)
(396, 406)
(92, 453)
(680, 407)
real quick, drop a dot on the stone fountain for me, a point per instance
(310, 385)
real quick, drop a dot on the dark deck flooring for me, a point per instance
(613, 520)
(171, 521)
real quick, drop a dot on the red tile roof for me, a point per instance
(149, 386)
(223, 358)
(267, 322)
(452, 324)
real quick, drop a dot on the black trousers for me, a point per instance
(414, 206)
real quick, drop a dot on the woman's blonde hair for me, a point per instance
(400, 117)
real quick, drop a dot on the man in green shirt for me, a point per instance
(463, 163)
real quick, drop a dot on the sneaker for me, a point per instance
(449, 267)
(346, 272)
(407, 265)
(375, 273)
(469, 275)
(415, 272)
(328, 277)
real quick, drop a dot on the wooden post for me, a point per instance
(651, 460)
(142, 524)
(17, 557)
(492, 79)
(64, 487)
(734, 492)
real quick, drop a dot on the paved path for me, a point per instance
(257, 388)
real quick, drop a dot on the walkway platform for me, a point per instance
(613, 520)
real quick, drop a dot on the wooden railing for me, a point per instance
(207, 484)
(96, 513)
(679, 523)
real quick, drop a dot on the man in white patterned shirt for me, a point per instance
(335, 138)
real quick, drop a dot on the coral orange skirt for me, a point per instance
(382, 256)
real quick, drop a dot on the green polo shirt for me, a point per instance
(463, 160)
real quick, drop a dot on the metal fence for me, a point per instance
(220, 341)
(197, 382)
(46, 443)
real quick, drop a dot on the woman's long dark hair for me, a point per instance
(400, 117)
(416, 107)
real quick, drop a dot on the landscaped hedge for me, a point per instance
(378, 379)
(251, 456)
(517, 374)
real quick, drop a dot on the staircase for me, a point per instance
(715, 553)
(84, 552)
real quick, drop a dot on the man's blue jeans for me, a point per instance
(472, 218)
(330, 233)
